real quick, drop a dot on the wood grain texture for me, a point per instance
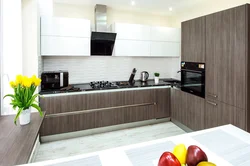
(248, 68)
(103, 117)
(212, 53)
(195, 112)
(231, 57)
(16, 142)
(187, 109)
(163, 103)
(178, 105)
(210, 118)
(193, 40)
(222, 114)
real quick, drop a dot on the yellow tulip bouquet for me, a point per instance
(24, 97)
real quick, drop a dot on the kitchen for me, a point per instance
(97, 92)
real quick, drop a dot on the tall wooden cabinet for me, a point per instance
(223, 39)
(193, 40)
(226, 67)
(226, 56)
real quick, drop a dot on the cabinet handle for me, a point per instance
(209, 102)
(215, 96)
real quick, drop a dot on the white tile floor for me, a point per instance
(97, 142)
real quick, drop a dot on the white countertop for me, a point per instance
(105, 91)
(225, 146)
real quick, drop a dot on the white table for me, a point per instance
(225, 146)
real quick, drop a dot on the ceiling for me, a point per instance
(160, 7)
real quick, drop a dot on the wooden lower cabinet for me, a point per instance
(218, 113)
(71, 113)
(187, 109)
(163, 103)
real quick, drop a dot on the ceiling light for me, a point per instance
(133, 3)
(170, 9)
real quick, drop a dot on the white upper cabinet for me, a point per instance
(165, 49)
(65, 36)
(66, 27)
(64, 46)
(132, 48)
(165, 34)
(131, 31)
(144, 40)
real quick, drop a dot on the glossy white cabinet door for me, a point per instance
(132, 31)
(165, 34)
(165, 49)
(71, 46)
(59, 26)
(132, 48)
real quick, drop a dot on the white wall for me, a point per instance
(81, 11)
(12, 47)
(1, 53)
(86, 69)
(205, 7)
(31, 36)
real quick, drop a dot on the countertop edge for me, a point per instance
(105, 91)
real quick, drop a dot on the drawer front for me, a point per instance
(102, 118)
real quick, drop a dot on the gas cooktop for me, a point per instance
(102, 85)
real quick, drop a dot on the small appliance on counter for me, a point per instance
(144, 76)
(54, 80)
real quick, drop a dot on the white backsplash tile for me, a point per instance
(86, 69)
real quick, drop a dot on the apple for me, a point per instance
(195, 155)
(168, 159)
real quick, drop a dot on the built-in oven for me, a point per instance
(193, 78)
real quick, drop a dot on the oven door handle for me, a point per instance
(194, 71)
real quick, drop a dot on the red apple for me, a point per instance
(168, 159)
(195, 155)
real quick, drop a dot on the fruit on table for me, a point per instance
(205, 163)
(168, 159)
(195, 155)
(180, 152)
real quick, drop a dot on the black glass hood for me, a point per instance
(102, 43)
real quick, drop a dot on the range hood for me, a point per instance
(102, 41)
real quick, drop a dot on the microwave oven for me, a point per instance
(54, 80)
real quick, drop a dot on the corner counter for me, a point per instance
(17, 142)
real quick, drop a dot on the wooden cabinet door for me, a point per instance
(179, 106)
(176, 105)
(231, 58)
(211, 118)
(163, 103)
(187, 109)
(213, 51)
(193, 40)
(195, 112)
(218, 113)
